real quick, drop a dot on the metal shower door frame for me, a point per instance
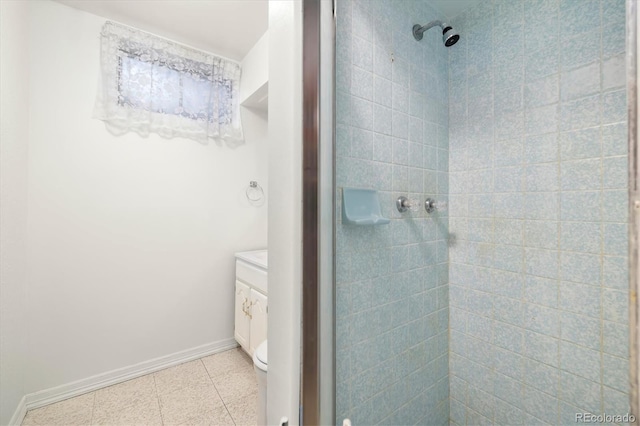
(317, 391)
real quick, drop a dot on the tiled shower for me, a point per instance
(391, 285)
(538, 178)
(509, 304)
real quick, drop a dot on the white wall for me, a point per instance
(13, 202)
(255, 68)
(131, 240)
(285, 209)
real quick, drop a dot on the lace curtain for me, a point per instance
(149, 84)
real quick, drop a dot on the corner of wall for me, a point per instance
(13, 206)
(285, 214)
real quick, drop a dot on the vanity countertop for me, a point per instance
(257, 258)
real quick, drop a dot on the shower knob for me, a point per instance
(430, 205)
(403, 204)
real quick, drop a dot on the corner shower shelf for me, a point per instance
(361, 207)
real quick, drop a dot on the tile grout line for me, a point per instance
(93, 409)
(158, 405)
(218, 392)
(559, 225)
(155, 386)
(602, 213)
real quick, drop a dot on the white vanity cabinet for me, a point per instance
(243, 320)
(251, 303)
(258, 327)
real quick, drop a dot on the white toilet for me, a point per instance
(260, 365)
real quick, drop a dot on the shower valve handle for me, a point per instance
(403, 204)
(430, 205)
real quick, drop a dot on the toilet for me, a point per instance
(260, 365)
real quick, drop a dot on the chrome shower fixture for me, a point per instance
(431, 205)
(404, 204)
(449, 36)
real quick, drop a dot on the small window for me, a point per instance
(153, 85)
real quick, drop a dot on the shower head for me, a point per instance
(449, 36)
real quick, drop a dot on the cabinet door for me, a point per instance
(242, 318)
(258, 319)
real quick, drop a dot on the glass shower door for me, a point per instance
(511, 306)
(391, 279)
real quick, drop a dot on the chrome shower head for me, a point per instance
(449, 36)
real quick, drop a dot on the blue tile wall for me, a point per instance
(538, 287)
(521, 317)
(392, 296)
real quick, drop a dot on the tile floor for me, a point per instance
(220, 389)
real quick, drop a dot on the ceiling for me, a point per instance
(452, 8)
(228, 28)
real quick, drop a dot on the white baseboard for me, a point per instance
(18, 415)
(90, 384)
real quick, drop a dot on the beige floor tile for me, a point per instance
(181, 376)
(73, 411)
(219, 417)
(228, 361)
(189, 403)
(181, 395)
(236, 385)
(28, 420)
(141, 412)
(142, 389)
(243, 410)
